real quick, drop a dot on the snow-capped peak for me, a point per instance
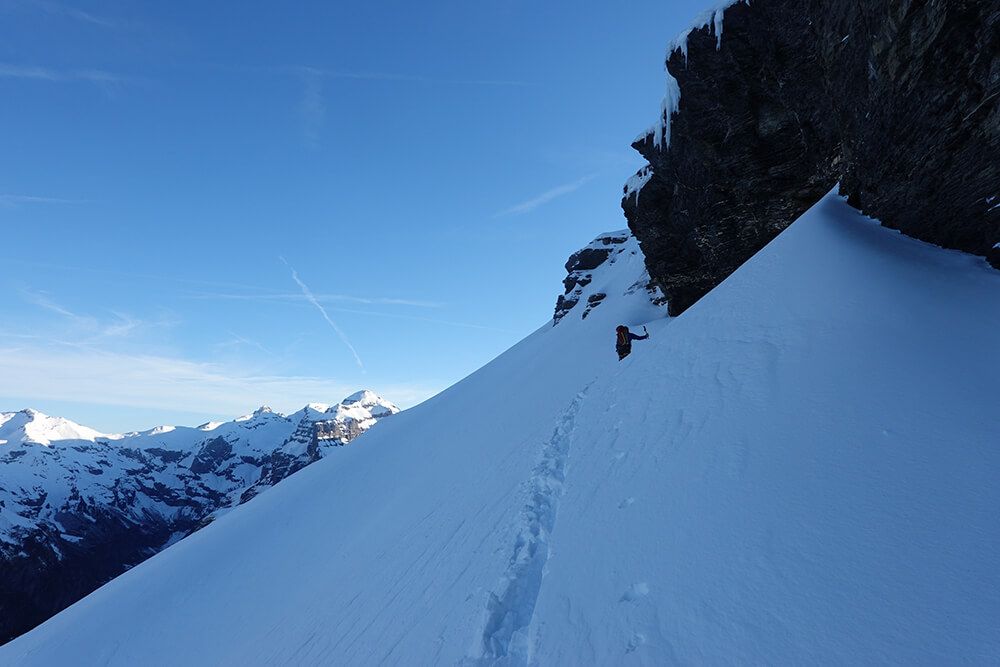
(369, 400)
(30, 425)
(364, 405)
(363, 396)
(259, 412)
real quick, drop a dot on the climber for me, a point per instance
(625, 338)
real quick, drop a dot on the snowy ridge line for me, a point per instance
(509, 612)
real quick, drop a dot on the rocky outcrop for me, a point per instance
(779, 100)
(588, 270)
(78, 508)
(579, 271)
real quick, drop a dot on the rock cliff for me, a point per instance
(769, 105)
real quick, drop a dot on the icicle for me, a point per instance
(712, 18)
(638, 180)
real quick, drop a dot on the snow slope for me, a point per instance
(799, 469)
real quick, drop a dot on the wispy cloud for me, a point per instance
(312, 108)
(133, 275)
(545, 197)
(418, 318)
(322, 298)
(87, 329)
(94, 359)
(266, 297)
(312, 103)
(59, 9)
(10, 200)
(244, 293)
(333, 325)
(102, 377)
(106, 80)
(122, 325)
(42, 300)
(363, 75)
(237, 340)
(388, 76)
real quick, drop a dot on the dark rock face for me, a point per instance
(336, 433)
(925, 155)
(899, 101)
(212, 454)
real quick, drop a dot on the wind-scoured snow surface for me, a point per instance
(800, 469)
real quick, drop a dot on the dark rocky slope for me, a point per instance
(898, 100)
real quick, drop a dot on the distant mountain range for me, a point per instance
(78, 507)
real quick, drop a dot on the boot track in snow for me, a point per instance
(510, 608)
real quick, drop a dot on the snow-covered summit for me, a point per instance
(30, 425)
(366, 400)
(354, 414)
(362, 405)
(263, 411)
(209, 426)
(365, 395)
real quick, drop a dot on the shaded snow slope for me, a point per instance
(799, 469)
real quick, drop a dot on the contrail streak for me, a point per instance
(546, 197)
(312, 299)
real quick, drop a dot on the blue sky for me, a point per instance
(205, 207)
